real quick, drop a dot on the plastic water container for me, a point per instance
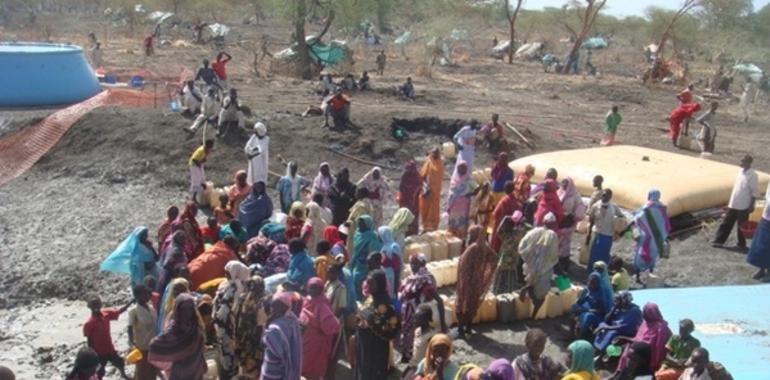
(551, 308)
(173, 106)
(449, 150)
(759, 208)
(524, 309)
(419, 247)
(134, 356)
(487, 310)
(569, 297)
(506, 309)
(439, 249)
(454, 247)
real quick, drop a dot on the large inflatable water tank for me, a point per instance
(42, 74)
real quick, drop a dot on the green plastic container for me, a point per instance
(563, 283)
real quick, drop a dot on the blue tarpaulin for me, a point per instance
(595, 43)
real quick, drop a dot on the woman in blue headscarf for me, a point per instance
(255, 210)
(624, 319)
(365, 241)
(605, 285)
(652, 222)
(391, 259)
(134, 256)
(590, 308)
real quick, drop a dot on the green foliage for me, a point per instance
(685, 33)
(726, 14)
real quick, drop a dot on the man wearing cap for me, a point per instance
(258, 154)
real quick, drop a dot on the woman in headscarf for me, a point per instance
(166, 227)
(510, 232)
(379, 192)
(652, 222)
(255, 210)
(638, 363)
(574, 210)
(580, 360)
(391, 259)
(432, 173)
(500, 369)
(313, 229)
(475, 273)
(171, 259)
(653, 331)
(481, 206)
(589, 309)
(401, 224)
(461, 189)
(507, 205)
(522, 184)
(365, 242)
(339, 248)
(238, 191)
(419, 288)
(549, 203)
(342, 195)
(194, 241)
(409, 194)
(249, 323)
(290, 187)
(605, 284)
(623, 320)
(322, 184)
(378, 325)
(437, 364)
(175, 287)
(178, 351)
(501, 174)
(320, 328)
(135, 256)
(363, 206)
(228, 293)
(282, 341)
(295, 220)
(539, 252)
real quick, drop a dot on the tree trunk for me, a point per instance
(512, 24)
(303, 53)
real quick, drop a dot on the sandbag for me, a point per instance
(524, 309)
(487, 310)
(506, 309)
(631, 172)
(454, 247)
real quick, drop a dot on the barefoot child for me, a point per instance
(97, 331)
(141, 330)
(613, 120)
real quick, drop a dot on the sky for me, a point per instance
(622, 8)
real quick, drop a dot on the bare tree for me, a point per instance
(511, 16)
(686, 7)
(303, 50)
(587, 16)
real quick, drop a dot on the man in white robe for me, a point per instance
(258, 154)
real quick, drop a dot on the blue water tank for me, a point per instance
(43, 74)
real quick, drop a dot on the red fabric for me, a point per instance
(410, 190)
(338, 103)
(549, 202)
(521, 187)
(210, 264)
(219, 68)
(155, 300)
(320, 328)
(685, 96)
(678, 115)
(504, 208)
(210, 235)
(193, 241)
(332, 235)
(97, 328)
(293, 228)
(148, 42)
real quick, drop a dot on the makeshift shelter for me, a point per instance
(331, 54)
(687, 183)
(750, 71)
(595, 43)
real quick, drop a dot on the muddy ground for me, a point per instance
(119, 168)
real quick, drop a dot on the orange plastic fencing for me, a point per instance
(20, 150)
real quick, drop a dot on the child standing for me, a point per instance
(612, 121)
(141, 330)
(708, 133)
(97, 331)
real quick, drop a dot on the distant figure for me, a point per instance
(338, 106)
(748, 99)
(494, 135)
(231, 110)
(257, 152)
(349, 83)
(465, 139)
(208, 111)
(381, 59)
(407, 89)
(192, 98)
(363, 83)
(708, 133)
(96, 55)
(197, 170)
(328, 84)
(494, 41)
(572, 63)
(148, 45)
(219, 68)
(207, 75)
(612, 121)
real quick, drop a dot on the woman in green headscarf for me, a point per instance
(580, 360)
(401, 224)
(365, 241)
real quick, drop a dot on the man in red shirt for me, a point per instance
(339, 107)
(97, 331)
(219, 68)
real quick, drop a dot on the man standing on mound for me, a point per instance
(197, 172)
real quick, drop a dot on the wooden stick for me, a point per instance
(516, 131)
(361, 160)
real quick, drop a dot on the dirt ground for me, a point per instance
(120, 168)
